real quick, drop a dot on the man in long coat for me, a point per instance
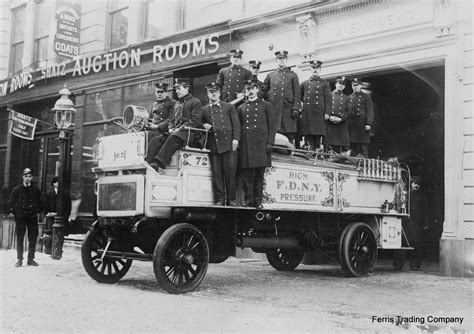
(187, 113)
(220, 118)
(231, 79)
(361, 118)
(161, 110)
(337, 132)
(258, 136)
(415, 227)
(282, 88)
(316, 98)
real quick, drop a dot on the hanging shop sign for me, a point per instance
(22, 126)
(118, 60)
(66, 39)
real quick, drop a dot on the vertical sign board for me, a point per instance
(22, 126)
(66, 39)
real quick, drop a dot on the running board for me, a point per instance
(125, 255)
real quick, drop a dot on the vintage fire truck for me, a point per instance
(343, 208)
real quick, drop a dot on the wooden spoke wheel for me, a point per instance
(357, 249)
(106, 270)
(181, 258)
(285, 259)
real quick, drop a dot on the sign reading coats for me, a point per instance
(22, 126)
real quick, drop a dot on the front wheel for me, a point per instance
(181, 258)
(357, 249)
(285, 259)
(103, 270)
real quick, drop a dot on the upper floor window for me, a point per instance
(41, 31)
(162, 18)
(18, 39)
(119, 17)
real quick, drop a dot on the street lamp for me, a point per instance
(64, 111)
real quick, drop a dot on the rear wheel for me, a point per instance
(181, 258)
(357, 249)
(103, 270)
(285, 259)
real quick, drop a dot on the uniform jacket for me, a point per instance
(258, 131)
(231, 80)
(25, 201)
(338, 134)
(187, 113)
(282, 88)
(419, 216)
(164, 109)
(361, 111)
(316, 98)
(225, 126)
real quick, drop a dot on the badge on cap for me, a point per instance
(27, 171)
(236, 53)
(255, 63)
(314, 63)
(212, 86)
(356, 81)
(252, 83)
(281, 54)
(341, 79)
(161, 85)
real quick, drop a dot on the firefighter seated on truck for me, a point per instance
(187, 113)
(161, 111)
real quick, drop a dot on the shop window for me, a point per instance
(18, 36)
(162, 18)
(119, 18)
(142, 94)
(103, 105)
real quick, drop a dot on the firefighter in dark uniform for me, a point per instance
(254, 67)
(187, 113)
(231, 79)
(415, 226)
(220, 118)
(258, 136)
(316, 99)
(282, 88)
(337, 132)
(361, 117)
(161, 110)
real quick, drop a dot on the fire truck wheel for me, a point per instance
(357, 249)
(181, 258)
(107, 270)
(285, 259)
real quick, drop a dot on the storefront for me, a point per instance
(416, 55)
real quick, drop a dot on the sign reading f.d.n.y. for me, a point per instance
(22, 126)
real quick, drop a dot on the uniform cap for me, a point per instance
(341, 79)
(255, 63)
(161, 85)
(314, 63)
(236, 53)
(356, 81)
(182, 82)
(212, 86)
(27, 171)
(417, 179)
(252, 83)
(281, 54)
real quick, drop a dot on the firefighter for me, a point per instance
(231, 79)
(361, 117)
(281, 87)
(258, 135)
(316, 99)
(187, 113)
(337, 132)
(161, 110)
(415, 227)
(220, 118)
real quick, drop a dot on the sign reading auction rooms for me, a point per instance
(66, 39)
(22, 126)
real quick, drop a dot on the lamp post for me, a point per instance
(64, 111)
